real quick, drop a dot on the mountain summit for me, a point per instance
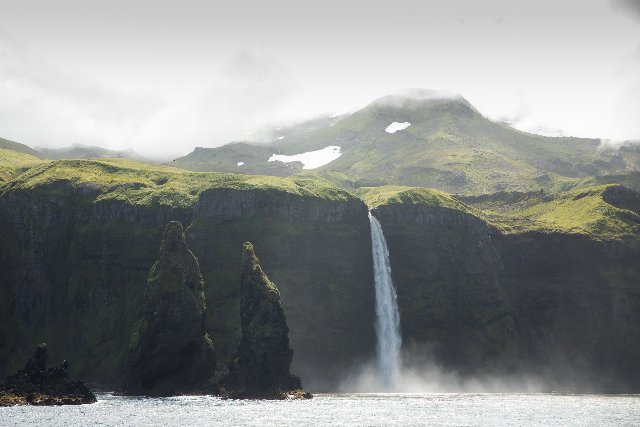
(426, 138)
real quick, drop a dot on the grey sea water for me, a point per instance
(448, 409)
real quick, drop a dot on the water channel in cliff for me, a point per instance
(388, 335)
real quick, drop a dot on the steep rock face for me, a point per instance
(450, 294)
(71, 272)
(72, 265)
(556, 306)
(261, 364)
(221, 205)
(623, 197)
(38, 385)
(577, 307)
(318, 251)
(170, 352)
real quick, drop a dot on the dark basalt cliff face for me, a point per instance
(71, 273)
(561, 307)
(260, 367)
(318, 252)
(36, 384)
(72, 265)
(170, 352)
(451, 297)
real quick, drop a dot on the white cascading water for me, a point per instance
(387, 314)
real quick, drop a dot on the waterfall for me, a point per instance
(387, 314)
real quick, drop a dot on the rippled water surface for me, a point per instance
(344, 409)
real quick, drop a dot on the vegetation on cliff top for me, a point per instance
(142, 183)
(391, 194)
(14, 162)
(583, 211)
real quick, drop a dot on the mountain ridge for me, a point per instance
(446, 144)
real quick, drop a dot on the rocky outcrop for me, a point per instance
(317, 250)
(623, 198)
(261, 365)
(170, 352)
(38, 385)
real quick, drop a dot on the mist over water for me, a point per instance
(387, 314)
(412, 370)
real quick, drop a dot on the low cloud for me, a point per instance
(244, 97)
(45, 104)
(631, 6)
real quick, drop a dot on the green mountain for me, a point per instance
(448, 145)
(15, 158)
(5, 144)
(79, 151)
(236, 157)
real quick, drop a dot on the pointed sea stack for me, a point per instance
(37, 385)
(170, 352)
(260, 369)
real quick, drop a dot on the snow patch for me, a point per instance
(396, 126)
(310, 159)
(240, 163)
(280, 137)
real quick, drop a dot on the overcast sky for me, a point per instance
(165, 76)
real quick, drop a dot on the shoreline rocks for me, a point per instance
(38, 385)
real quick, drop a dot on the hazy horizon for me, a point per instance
(163, 77)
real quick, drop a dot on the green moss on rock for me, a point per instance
(263, 359)
(170, 352)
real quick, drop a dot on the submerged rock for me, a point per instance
(170, 352)
(260, 368)
(38, 385)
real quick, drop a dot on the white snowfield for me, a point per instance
(396, 126)
(310, 159)
(240, 163)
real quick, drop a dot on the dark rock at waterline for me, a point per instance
(169, 350)
(38, 385)
(260, 368)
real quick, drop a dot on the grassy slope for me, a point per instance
(142, 183)
(580, 211)
(583, 211)
(226, 158)
(16, 146)
(390, 194)
(15, 158)
(449, 146)
(13, 163)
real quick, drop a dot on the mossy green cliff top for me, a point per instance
(599, 212)
(392, 194)
(142, 184)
